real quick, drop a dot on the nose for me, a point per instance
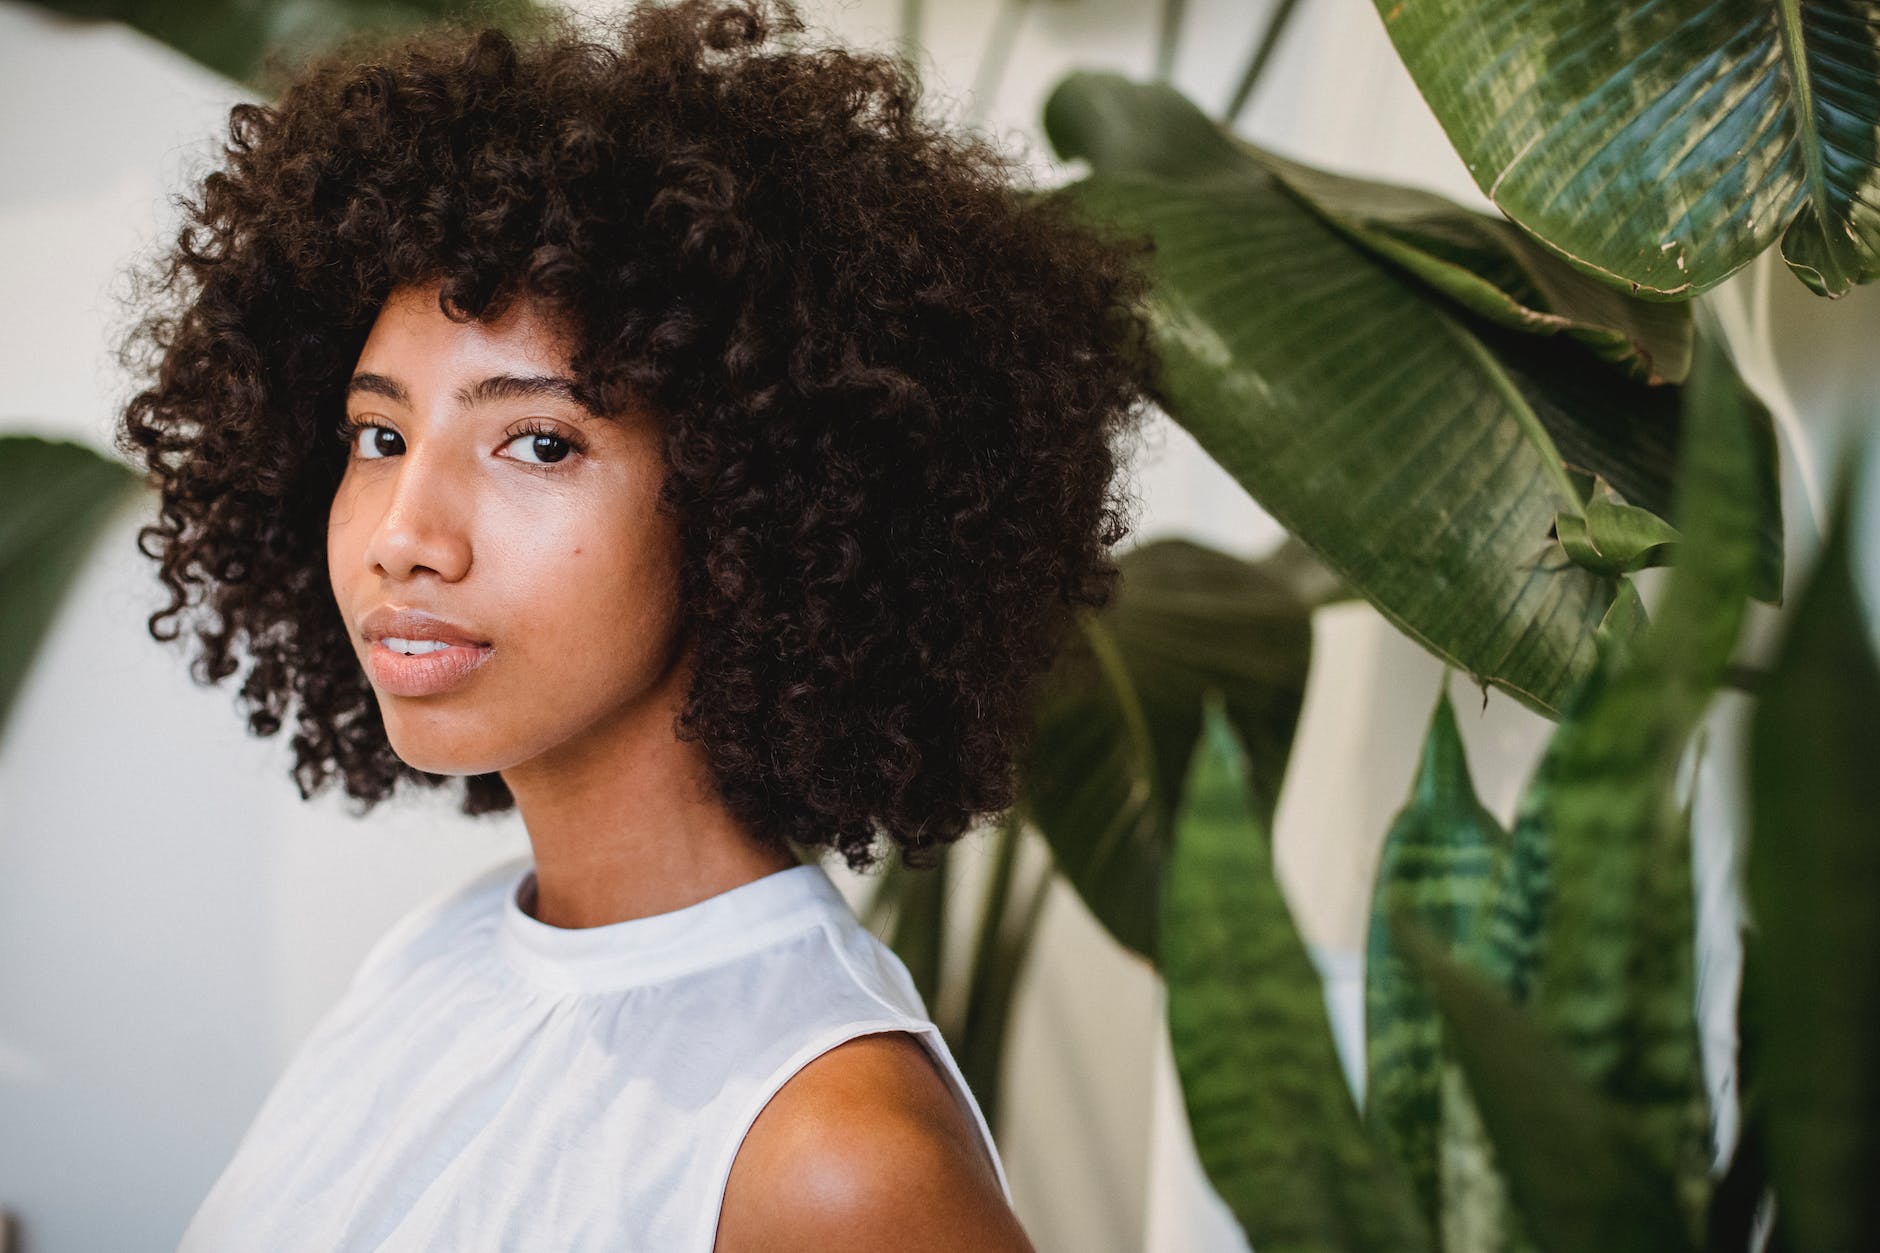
(424, 525)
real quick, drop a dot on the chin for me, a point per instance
(436, 750)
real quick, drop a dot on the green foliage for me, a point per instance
(1613, 538)
(1439, 865)
(1404, 387)
(236, 38)
(54, 498)
(1662, 146)
(1273, 1120)
(1812, 985)
(1579, 1175)
(1118, 714)
(1533, 1057)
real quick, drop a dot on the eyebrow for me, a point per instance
(495, 387)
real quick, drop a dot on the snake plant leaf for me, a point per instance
(1118, 713)
(235, 37)
(1614, 982)
(1580, 1179)
(1476, 1210)
(1664, 145)
(1273, 1119)
(1517, 918)
(1614, 538)
(55, 496)
(1438, 866)
(1665, 1083)
(1813, 878)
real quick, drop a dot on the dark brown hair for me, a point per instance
(894, 382)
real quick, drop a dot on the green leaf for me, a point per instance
(1493, 268)
(1438, 865)
(920, 896)
(235, 37)
(55, 497)
(1117, 716)
(1664, 145)
(1631, 436)
(1476, 1212)
(1273, 1120)
(1625, 623)
(1579, 1176)
(1553, 330)
(1813, 880)
(1613, 538)
(1426, 485)
(1008, 926)
(1366, 412)
(1615, 983)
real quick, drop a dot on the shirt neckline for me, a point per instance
(638, 951)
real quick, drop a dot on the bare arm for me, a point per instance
(865, 1148)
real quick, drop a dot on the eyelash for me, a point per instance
(349, 428)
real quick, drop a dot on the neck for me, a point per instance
(625, 822)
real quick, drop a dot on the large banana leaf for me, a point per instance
(1120, 709)
(1407, 437)
(1495, 269)
(1374, 428)
(1484, 263)
(1273, 1120)
(1665, 145)
(54, 498)
(1812, 986)
(234, 37)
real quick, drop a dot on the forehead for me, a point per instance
(414, 347)
(527, 327)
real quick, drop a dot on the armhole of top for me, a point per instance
(924, 1028)
(929, 1036)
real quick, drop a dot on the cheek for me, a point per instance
(599, 590)
(341, 543)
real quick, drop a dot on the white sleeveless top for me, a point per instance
(488, 1081)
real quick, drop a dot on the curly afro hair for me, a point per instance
(895, 387)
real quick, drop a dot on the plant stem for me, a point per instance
(1262, 53)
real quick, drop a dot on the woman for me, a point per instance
(671, 436)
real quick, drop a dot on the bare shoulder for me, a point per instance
(865, 1147)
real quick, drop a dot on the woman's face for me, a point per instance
(477, 492)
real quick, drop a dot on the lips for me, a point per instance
(422, 674)
(417, 624)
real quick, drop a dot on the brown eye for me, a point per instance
(545, 447)
(378, 441)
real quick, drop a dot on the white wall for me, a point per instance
(173, 918)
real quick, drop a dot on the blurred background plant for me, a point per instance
(1494, 429)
